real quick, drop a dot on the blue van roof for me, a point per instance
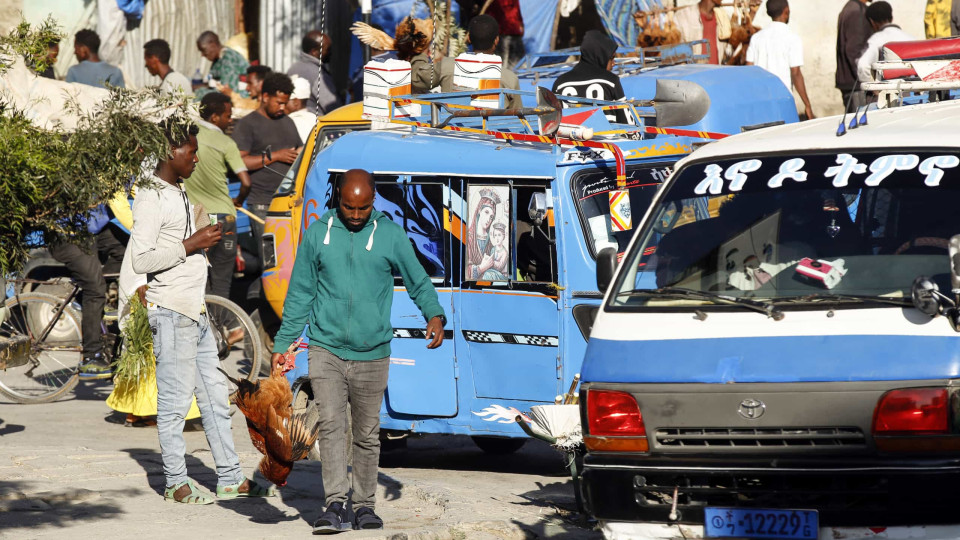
(740, 96)
(440, 152)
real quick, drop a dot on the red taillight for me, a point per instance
(614, 422)
(612, 414)
(912, 411)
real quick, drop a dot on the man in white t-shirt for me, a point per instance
(156, 58)
(297, 108)
(880, 16)
(779, 50)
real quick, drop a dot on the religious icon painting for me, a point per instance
(488, 233)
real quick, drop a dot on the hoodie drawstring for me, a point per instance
(370, 241)
(326, 239)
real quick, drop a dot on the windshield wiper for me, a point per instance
(766, 308)
(859, 298)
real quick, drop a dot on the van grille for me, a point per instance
(760, 437)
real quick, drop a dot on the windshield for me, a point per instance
(784, 228)
(592, 191)
(286, 186)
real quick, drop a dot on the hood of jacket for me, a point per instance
(332, 219)
(597, 49)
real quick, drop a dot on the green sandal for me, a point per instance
(195, 497)
(256, 490)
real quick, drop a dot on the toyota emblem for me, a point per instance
(751, 409)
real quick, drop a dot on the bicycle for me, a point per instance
(40, 342)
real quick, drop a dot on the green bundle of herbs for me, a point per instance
(136, 362)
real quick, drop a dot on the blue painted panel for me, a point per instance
(511, 370)
(422, 381)
(773, 359)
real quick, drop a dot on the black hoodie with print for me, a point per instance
(590, 78)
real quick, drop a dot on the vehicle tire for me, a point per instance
(265, 339)
(242, 359)
(498, 445)
(38, 372)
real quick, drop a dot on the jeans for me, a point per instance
(335, 381)
(111, 245)
(186, 365)
(86, 270)
(260, 210)
(223, 257)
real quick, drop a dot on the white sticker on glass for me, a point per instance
(735, 173)
(932, 168)
(847, 165)
(791, 169)
(712, 183)
(884, 166)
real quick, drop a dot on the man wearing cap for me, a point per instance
(297, 107)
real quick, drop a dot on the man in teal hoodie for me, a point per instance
(342, 284)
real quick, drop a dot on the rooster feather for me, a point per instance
(275, 431)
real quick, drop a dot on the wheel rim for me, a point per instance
(236, 359)
(52, 364)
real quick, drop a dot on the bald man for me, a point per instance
(309, 66)
(342, 285)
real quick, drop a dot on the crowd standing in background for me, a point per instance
(278, 116)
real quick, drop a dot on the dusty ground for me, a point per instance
(67, 472)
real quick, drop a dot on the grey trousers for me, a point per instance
(334, 382)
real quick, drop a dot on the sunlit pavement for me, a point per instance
(68, 472)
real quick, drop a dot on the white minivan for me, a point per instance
(777, 354)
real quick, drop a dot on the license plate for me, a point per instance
(760, 523)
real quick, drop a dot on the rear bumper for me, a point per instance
(846, 492)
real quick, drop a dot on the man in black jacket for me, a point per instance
(853, 29)
(591, 78)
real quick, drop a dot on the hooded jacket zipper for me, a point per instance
(350, 305)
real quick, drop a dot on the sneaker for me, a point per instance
(366, 519)
(333, 520)
(95, 367)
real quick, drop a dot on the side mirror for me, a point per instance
(926, 296)
(537, 209)
(606, 266)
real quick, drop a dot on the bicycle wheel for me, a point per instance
(33, 371)
(238, 341)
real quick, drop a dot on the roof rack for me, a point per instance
(629, 60)
(910, 76)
